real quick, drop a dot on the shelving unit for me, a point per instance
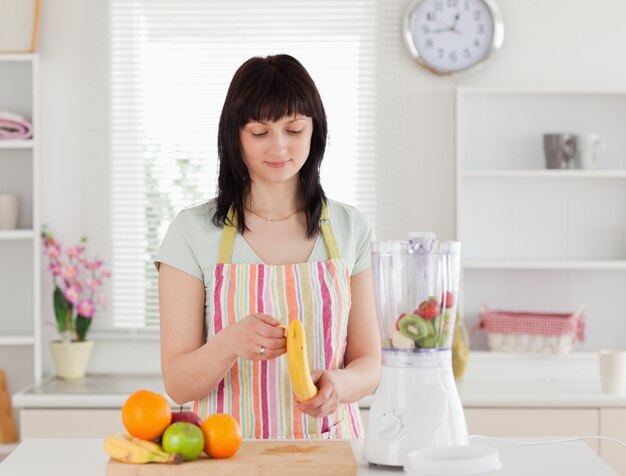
(20, 250)
(537, 239)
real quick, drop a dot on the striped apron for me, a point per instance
(258, 393)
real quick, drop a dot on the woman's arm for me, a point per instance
(190, 369)
(362, 361)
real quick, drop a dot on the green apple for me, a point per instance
(183, 438)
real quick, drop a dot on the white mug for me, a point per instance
(613, 371)
(589, 149)
(9, 211)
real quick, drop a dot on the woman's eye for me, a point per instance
(295, 132)
(259, 134)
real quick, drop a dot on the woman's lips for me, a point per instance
(277, 165)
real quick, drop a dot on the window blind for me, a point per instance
(169, 66)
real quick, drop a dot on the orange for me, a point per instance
(146, 414)
(222, 435)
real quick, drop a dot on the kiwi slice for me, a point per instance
(429, 342)
(415, 327)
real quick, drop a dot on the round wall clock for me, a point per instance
(452, 36)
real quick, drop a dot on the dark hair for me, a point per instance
(268, 89)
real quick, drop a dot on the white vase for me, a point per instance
(70, 358)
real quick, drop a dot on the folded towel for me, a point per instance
(13, 126)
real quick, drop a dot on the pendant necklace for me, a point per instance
(273, 219)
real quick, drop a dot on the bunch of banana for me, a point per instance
(298, 362)
(128, 449)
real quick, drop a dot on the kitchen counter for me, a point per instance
(85, 457)
(491, 380)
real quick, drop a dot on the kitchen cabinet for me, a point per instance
(537, 239)
(20, 315)
(613, 425)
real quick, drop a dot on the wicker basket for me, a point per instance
(532, 332)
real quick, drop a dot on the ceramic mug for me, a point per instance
(559, 149)
(613, 371)
(589, 149)
(9, 211)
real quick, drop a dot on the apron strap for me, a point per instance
(327, 234)
(227, 241)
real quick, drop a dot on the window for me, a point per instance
(170, 64)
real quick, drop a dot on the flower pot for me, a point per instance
(70, 358)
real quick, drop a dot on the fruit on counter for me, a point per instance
(298, 362)
(146, 414)
(400, 341)
(185, 439)
(128, 449)
(447, 300)
(427, 309)
(222, 435)
(414, 327)
(187, 416)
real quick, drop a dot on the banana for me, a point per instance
(298, 362)
(123, 447)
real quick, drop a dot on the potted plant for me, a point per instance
(77, 293)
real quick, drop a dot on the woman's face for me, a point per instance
(276, 151)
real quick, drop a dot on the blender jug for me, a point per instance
(416, 404)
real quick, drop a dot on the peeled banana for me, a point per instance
(298, 362)
(128, 449)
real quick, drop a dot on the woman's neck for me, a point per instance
(274, 200)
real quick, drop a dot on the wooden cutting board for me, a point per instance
(302, 458)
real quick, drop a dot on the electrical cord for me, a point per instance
(548, 442)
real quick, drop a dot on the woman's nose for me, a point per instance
(279, 145)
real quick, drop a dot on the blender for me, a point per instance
(416, 404)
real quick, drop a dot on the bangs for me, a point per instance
(274, 97)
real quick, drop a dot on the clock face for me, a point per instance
(451, 35)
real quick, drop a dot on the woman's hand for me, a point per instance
(256, 332)
(328, 394)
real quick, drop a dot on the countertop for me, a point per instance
(491, 380)
(85, 457)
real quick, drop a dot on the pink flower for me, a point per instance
(96, 264)
(86, 308)
(71, 294)
(94, 283)
(74, 251)
(69, 272)
(102, 300)
(77, 284)
(55, 268)
(53, 250)
(106, 274)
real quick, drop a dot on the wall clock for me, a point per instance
(447, 37)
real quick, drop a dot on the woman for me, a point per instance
(269, 249)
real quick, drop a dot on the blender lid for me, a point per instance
(453, 461)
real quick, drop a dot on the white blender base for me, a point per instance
(416, 405)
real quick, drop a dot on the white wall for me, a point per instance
(548, 43)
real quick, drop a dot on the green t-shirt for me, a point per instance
(192, 241)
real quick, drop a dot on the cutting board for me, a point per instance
(258, 457)
(8, 434)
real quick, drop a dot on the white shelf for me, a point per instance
(16, 234)
(17, 340)
(549, 174)
(545, 264)
(16, 144)
(17, 57)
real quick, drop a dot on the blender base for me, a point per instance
(416, 405)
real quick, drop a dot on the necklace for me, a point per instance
(273, 219)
